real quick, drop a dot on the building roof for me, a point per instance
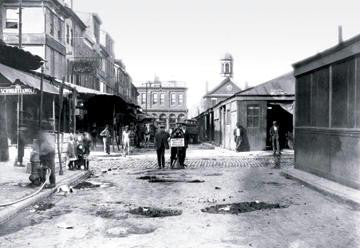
(223, 83)
(283, 85)
(336, 53)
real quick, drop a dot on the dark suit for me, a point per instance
(274, 134)
(161, 143)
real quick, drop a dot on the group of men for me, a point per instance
(178, 152)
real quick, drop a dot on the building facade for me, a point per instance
(43, 31)
(327, 125)
(164, 101)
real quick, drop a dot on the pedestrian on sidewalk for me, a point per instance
(47, 155)
(238, 133)
(275, 135)
(161, 143)
(126, 140)
(106, 135)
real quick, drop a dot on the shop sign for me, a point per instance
(16, 90)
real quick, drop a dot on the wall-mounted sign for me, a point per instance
(16, 90)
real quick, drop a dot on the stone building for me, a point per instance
(164, 101)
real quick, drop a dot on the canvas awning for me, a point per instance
(31, 80)
(84, 90)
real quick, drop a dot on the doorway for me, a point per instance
(275, 112)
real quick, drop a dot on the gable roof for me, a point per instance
(223, 83)
(283, 85)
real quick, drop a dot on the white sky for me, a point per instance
(184, 40)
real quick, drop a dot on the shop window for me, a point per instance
(253, 116)
(67, 34)
(59, 29)
(303, 100)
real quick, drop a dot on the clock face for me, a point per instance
(229, 87)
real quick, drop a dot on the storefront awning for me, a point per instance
(33, 81)
(84, 90)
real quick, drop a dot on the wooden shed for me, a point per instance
(255, 109)
(328, 113)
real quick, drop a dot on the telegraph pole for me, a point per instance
(20, 23)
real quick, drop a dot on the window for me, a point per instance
(343, 94)
(143, 98)
(59, 29)
(227, 68)
(72, 37)
(67, 34)
(51, 23)
(213, 101)
(162, 98)
(180, 99)
(155, 98)
(253, 116)
(228, 117)
(12, 18)
(173, 98)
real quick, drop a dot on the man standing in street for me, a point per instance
(182, 155)
(105, 134)
(274, 135)
(238, 136)
(161, 143)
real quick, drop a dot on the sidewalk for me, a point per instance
(15, 184)
(333, 189)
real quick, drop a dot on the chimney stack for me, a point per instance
(340, 36)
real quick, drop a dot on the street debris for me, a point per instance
(124, 231)
(216, 187)
(155, 179)
(64, 190)
(155, 212)
(85, 184)
(43, 206)
(243, 207)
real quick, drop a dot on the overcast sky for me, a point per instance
(184, 40)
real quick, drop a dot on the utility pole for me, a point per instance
(20, 23)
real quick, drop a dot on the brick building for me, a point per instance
(164, 101)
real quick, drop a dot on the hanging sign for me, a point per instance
(16, 90)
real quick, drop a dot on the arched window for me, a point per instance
(162, 118)
(181, 117)
(227, 68)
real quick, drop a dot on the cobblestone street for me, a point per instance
(129, 203)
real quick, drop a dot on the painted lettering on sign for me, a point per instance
(177, 142)
(17, 91)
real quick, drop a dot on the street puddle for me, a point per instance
(242, 207)
(213, 174)
(43, 206)
(273, 183)
(125, 231)
(90, 185)
(155, 212)
(155, 179)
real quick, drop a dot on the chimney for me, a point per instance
(340, 36)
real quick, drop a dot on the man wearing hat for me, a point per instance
(161, 143)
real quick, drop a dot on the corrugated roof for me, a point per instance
(28, 79)
(283, 85)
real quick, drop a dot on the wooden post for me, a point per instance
(61, 172)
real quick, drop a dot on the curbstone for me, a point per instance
(8, 212)
(339, 192)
